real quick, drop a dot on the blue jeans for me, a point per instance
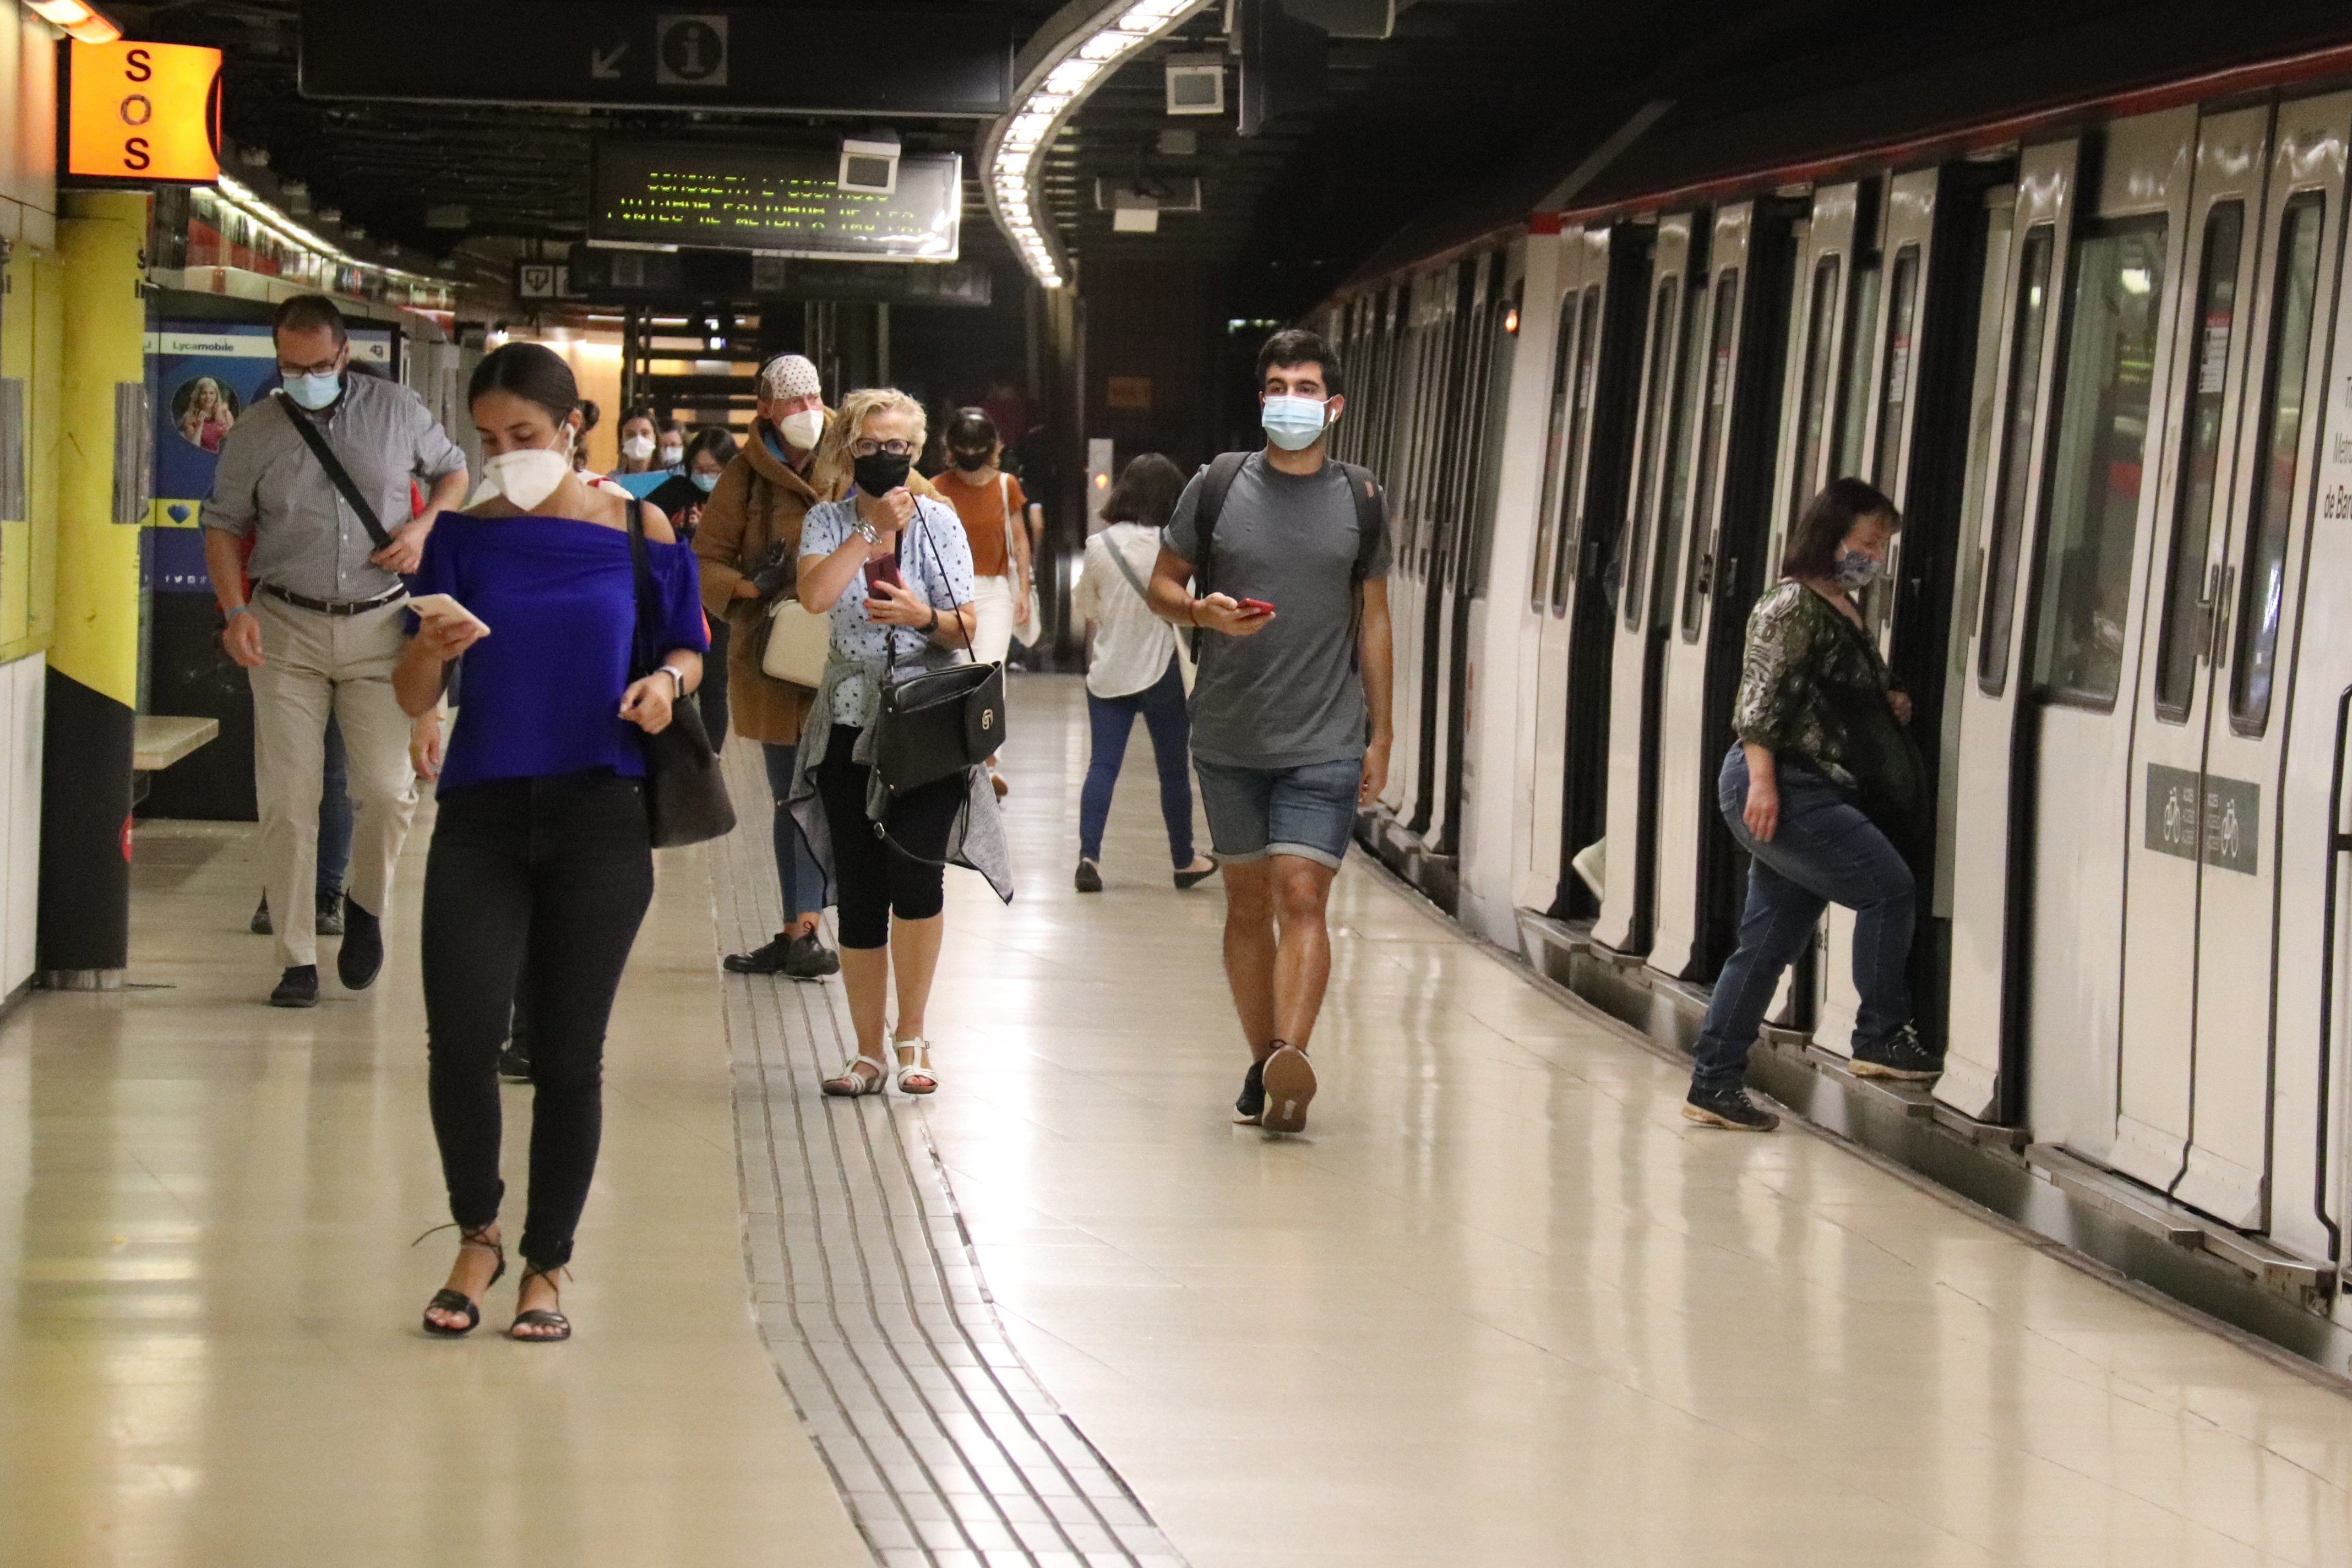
(1308, 811)
(1824, 851)
(334, 817)
(796, 872)
(1161, 708)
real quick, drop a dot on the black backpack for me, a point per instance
(1371, 526)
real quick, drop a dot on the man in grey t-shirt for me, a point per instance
(1290, 713)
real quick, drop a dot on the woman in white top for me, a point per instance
(1132, 669)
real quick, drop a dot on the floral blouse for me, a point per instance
(1799, 646)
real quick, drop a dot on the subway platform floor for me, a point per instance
(1499, 1306)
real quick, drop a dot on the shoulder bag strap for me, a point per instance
(1118, 559)
(942, 567)
(1224, 470)
(337, 474)
(1371, 524)
(1005, 503)
(642, 568)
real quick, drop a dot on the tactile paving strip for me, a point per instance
(869, 1298)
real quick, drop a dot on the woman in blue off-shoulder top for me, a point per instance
(542, 863)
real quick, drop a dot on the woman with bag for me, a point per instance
(582, 633)
(988, 503)
(1134, 668)
(892, 574)
(1825, 792)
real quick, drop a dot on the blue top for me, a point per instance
(542, 692)
(934, 560)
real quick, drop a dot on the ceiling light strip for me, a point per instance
(242, 197)
(1084, 44)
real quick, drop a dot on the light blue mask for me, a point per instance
(315, 391)
(1293, 423)
(706, 483)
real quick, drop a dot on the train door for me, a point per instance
(1638, 658)
(1983, 1053)
(1544, 635)
(1735, 390)
(1423, 312)
(1484, 348)
(2235, 595)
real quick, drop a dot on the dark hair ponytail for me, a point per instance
(532, 372)
(1827, 519)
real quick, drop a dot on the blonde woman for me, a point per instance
(209, 418)
(893, 573)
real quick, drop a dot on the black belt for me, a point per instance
(334, 607)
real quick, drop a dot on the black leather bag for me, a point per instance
(938, 723)
(685, 794)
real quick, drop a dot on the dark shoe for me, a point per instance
(541, 1325)
(1899, 1056)
(513, 1065)
(361, 954)
(298, 987)
(1089, 877)
(767, 958)
(807, 958)
(260, 925)
(1251, 1106)
(448, 1301)
(1289, 1081)
(1727, 1107)
(331, 914)
(1194, 878)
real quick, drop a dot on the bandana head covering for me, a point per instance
(788, 376)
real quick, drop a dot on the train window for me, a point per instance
(1572, 505)
(1674, 502)
(1813, 409)
(1853, 376)
(1555, 480)
(2185, 607)
(2262, 581)
(1654, 440)
(1894, 383)
(1699, 568)
(2013, 502)
(2105, 382)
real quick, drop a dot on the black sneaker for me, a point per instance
(1727, 1107)
(298, 987)
(1089, 877)
(1251, 1107)
(330, 915)
(513, 1066)
(1898, 1056)
(807, 958)
(767, 958)
(260, 925)
(361, 954)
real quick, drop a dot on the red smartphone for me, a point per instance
(880, 570)
(1256, 606)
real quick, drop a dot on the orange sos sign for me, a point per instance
(147, 113)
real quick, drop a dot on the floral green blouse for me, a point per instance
(1799, 649)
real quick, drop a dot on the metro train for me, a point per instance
(2100, 351)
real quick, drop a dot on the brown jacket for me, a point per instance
(759, 501)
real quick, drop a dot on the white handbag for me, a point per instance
(799, 642)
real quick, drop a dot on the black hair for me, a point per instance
(309, 313)
(645, 414)
(1827, 519)
(1146, 492)
(589, 414)
(970, 430)
(533, 372)
(1296, 345)
(664, 427)
(716, 439)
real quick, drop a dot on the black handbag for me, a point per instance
(935, 723)
(685, 794)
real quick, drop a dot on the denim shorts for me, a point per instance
(1309, 811)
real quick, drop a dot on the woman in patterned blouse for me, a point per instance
(1824, 791)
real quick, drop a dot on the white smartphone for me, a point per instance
(442, 607)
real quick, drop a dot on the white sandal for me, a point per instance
(920, 1067)
(850, 1083)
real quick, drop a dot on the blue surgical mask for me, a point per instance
(706, 483)
(1293, 423)
(315, 391)
(1853, 571)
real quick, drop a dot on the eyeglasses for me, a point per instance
(865, 448)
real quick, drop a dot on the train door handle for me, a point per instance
(1706, 573)
(2219, 654)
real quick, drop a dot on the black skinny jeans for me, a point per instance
(872, 881)
(533, 888)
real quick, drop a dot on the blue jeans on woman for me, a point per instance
(1161, 707)
(802, 884)
(1824, 851)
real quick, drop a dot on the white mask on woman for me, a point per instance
(637, 448)
(529, 476)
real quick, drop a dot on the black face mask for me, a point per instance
(970, 462)
(881, 473)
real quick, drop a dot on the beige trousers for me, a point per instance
(313, 664)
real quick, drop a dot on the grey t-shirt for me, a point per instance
(1288, 696)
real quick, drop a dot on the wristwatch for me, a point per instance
(678, 679)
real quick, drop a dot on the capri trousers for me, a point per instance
(873, 880)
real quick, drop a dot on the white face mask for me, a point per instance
(529, 476)
(673, 456)
(637, 448)
(801, 430)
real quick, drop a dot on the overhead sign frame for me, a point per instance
(132, 113)
(713, 196)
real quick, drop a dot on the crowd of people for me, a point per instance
(794, 587)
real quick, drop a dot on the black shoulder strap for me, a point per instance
(1371, 516)
(647, 599)
(337, 474)
(1223, 468)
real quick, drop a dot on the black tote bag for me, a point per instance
(938, 723)
(685, 794)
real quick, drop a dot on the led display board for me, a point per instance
(144, 114)
(774, 201)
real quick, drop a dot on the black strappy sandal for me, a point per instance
(448, 1301)
(540, 1317)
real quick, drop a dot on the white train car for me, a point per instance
(2100, 351)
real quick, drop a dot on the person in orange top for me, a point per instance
(992, 508)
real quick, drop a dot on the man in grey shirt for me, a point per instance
(325, 625)
(1290, 713)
